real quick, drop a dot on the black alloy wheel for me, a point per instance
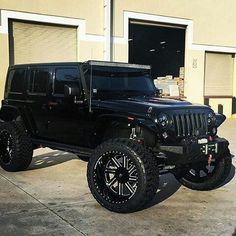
(202, 172)
(122, 175)
(15, 146)
(116, 175)
(202, 176)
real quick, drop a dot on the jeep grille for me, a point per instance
(194, 124)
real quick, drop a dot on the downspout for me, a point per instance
(108, 5)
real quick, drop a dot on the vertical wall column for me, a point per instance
(194, 75)
(108, 30)
(4, 61)
(234, 91)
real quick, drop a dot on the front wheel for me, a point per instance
(200, 176)
(122, 175)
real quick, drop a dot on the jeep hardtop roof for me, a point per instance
(117, 64)
(90, 62)
(45, 64)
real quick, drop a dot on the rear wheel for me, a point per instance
(203, 177)
(122, 175)
(15, 147)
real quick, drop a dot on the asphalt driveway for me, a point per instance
(52, 198)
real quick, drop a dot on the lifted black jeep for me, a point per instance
(111, 114)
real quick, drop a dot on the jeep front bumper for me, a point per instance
(194, 152)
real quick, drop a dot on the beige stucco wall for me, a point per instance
(4, 59)
(91, 10)
(90, 51)
(234, 82)
(120, 52)
(213, 19)
(226, 103)
(194, 76)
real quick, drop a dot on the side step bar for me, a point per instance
(64, 147)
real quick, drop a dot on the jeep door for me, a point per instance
(37, 90)
(67, 115)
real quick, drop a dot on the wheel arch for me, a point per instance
(11, 113)
(220, 118)
(106, 123)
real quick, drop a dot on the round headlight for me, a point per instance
(163, 120)
(210, 118)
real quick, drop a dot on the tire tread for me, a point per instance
(23, 150)
(150, 166)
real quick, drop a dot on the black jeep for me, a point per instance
(111, 115)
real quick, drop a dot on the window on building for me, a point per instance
(16, 81)
(65, 76)
(38, 81)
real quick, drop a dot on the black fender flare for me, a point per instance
(9, 113)
(220, 118)
(105, 121)
(147, 123)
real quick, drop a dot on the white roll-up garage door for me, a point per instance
(34, 43)
(219, 74)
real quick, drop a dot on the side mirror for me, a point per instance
(159, 92)
(71, 91)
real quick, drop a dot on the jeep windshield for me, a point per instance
(110, 82)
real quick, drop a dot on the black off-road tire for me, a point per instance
(146, 174)
(214, 180)
(18, 157)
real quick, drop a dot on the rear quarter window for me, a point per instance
(38, 80)
(16, 81)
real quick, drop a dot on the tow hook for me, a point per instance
(209, 162)
(133, 134)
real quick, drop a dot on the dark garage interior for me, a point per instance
(161, 46)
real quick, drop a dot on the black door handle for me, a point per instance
(50, 104)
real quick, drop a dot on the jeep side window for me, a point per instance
(16, 81)
(38, 81)
(63, 76)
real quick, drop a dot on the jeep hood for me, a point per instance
(142, 104)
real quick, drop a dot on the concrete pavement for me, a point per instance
(52, 198)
